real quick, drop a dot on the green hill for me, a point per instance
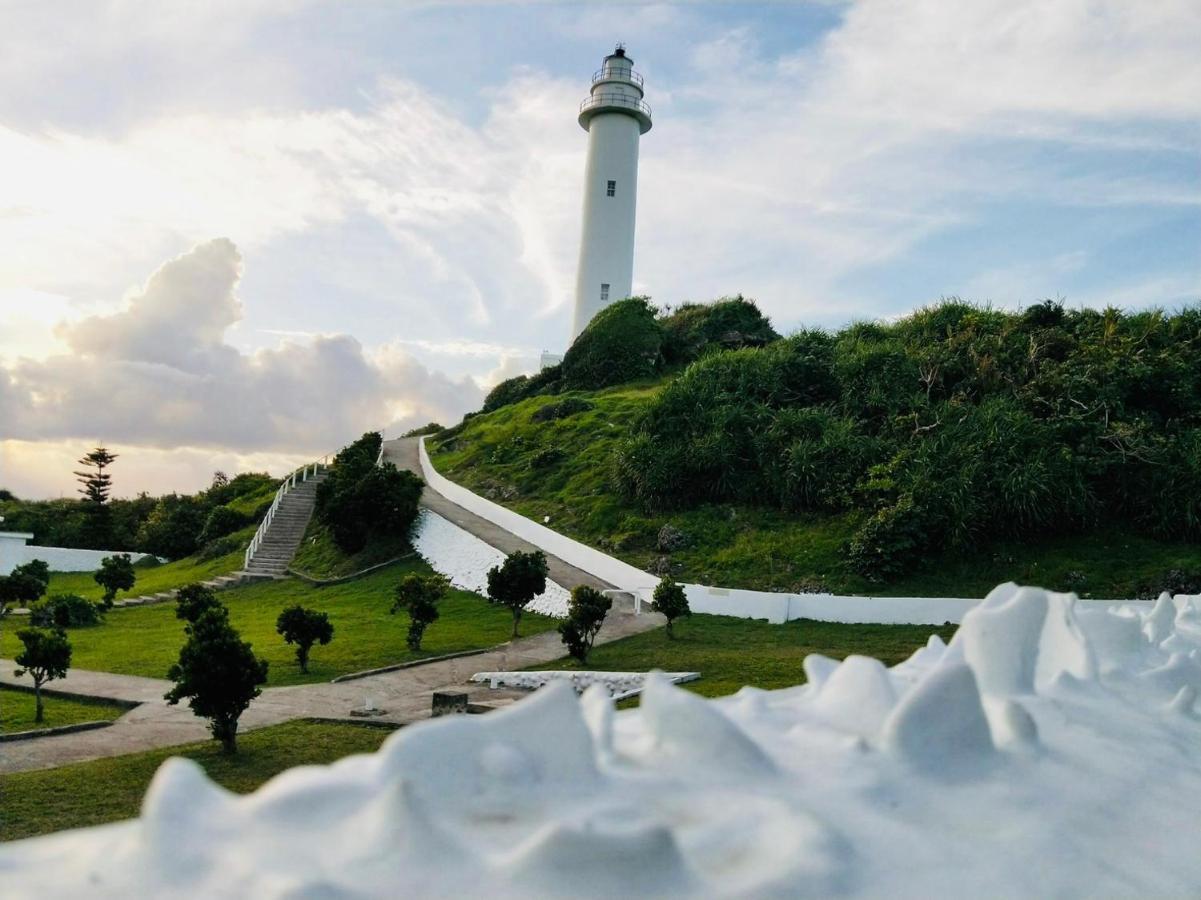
(939, 454)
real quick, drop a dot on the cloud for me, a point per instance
(159, 374)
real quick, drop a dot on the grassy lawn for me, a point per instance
(730, 653)
(146, 640)
(320, 557)
(751, 547)
(107, 790)
(17, 711)
(153, 579)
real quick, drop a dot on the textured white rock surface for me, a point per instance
(465, 560)
(616, 685)
(1043, 753)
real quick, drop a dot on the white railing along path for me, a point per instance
(301, 475)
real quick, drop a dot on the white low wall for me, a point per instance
(774, 607)
(15, 552)
(778, 607)
(590, 560)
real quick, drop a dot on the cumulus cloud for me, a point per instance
(158, 373)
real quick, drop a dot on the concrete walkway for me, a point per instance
(405, 695)
(403, 453)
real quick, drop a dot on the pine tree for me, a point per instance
(97, 483)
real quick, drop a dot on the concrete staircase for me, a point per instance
(280, 539)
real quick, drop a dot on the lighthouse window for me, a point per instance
(604, 293)
(611, 189)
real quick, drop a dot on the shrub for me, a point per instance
(218, 548)
(66, 611)
(728, 324)
(47, 656)
(585, 615)
(506, 393)
(115, 574)
(1174, 581)
(173, 528)
(890, 541)
(217, 673)
(622, 343)
(304, 627)
(419, 595)
(546, 457)
(24, 584)
(517, 581)
(36, 568)
(670, 601)
(193, 600)
(568, 406)
(383, 501)
(431, 428)
(225, 490)
(359, 498)
(222, 521)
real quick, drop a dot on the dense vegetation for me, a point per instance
(629, 341)
(359, 500)
(174, 525)
(1057, 446)
(952, 426)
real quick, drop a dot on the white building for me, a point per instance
(615, 117)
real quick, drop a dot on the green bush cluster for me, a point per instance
(178, 525)
(728, 324)
(630, 340)
(358, 498)
(66, 611)
(947, 428)
(566, 407)
(622, 343)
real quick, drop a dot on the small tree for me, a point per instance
(218, 673)
(115, 574)
(419, 595)
(36, 568)
(671, 602)
(517, 581)
(47, 656)
(193, 600)
(585, 615)
(25, 584)
(97, 484)
(304, 627)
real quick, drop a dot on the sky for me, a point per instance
(236, 235)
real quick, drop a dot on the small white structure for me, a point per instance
(618, 685)
(15, 551)
(615, 117)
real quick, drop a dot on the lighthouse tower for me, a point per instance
(615, 117)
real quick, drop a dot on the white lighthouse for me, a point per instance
(615, 117)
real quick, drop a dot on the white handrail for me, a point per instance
(302, 474)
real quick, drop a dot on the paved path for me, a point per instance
(404, 454)
(405, 694)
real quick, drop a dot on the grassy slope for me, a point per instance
(17, 710)
(738, 546)
(320, 557)
(152, 579)
(107, 790)
(730, 653)
(146, 640)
